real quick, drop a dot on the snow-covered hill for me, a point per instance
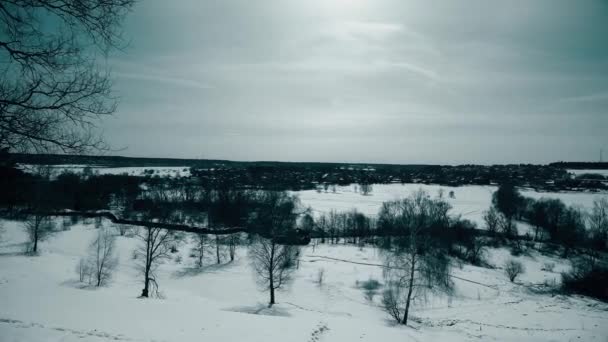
(41, 300)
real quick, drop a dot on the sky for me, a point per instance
(378, 81)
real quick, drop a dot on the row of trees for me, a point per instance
(552, 220)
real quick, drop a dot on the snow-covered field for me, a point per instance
(160, 171)
(469, 201)
(41, 300)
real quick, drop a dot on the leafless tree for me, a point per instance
(513, 269)
(494, 220)
(273, 263)
(38, 227)
(366, 189)
(103, 259)
(201, 244)
(124, 229)
(218, 248)
(415, 266)
(234, 240)
(97, 268)
(155, 246)
(53, 90)
(598, 223)
(84, 271)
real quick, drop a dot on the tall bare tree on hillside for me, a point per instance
(155, 246)
(53, 89)
(273, 262)
(414, 265)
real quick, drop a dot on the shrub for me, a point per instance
(513, 268)
(548, 267)
(587, 278)
(370, 288)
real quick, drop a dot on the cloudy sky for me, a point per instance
(364, 81)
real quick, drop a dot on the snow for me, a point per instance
(469, 201)
(41, 299)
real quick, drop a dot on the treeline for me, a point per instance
(552, 220)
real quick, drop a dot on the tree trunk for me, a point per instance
(36, 239)
(271, 275)
(409, 291)
(144, 292)
(271, 293)
(217, 248)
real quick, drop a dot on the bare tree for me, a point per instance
(513, 269)
(53, 90)
(491, 218)
(97, 268)
(598, 223)
(38, 227)
(84, 271)
(366, 189)
(218, 249)
(234, 240)
(415, 266)
(155, 246)
(103, 258)
(201, 243)
(273, 264)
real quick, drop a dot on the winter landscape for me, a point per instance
(314, 171)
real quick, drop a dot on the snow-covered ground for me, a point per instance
(160, 171)
(469, 201)
(41, 300)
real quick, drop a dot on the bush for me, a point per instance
(370, 288)
(548, 267)
(513, 268)
(587, 279)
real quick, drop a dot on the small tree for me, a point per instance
(218, 248)
(84, 271)
(274, 264)
(38, 228)
(201, 243)
(507, 200)
(513, 269)
(102, 259)
(234, 240)
(598, 223)
(366, 189)
(492, 220)
(155, 246)
(417, 265)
